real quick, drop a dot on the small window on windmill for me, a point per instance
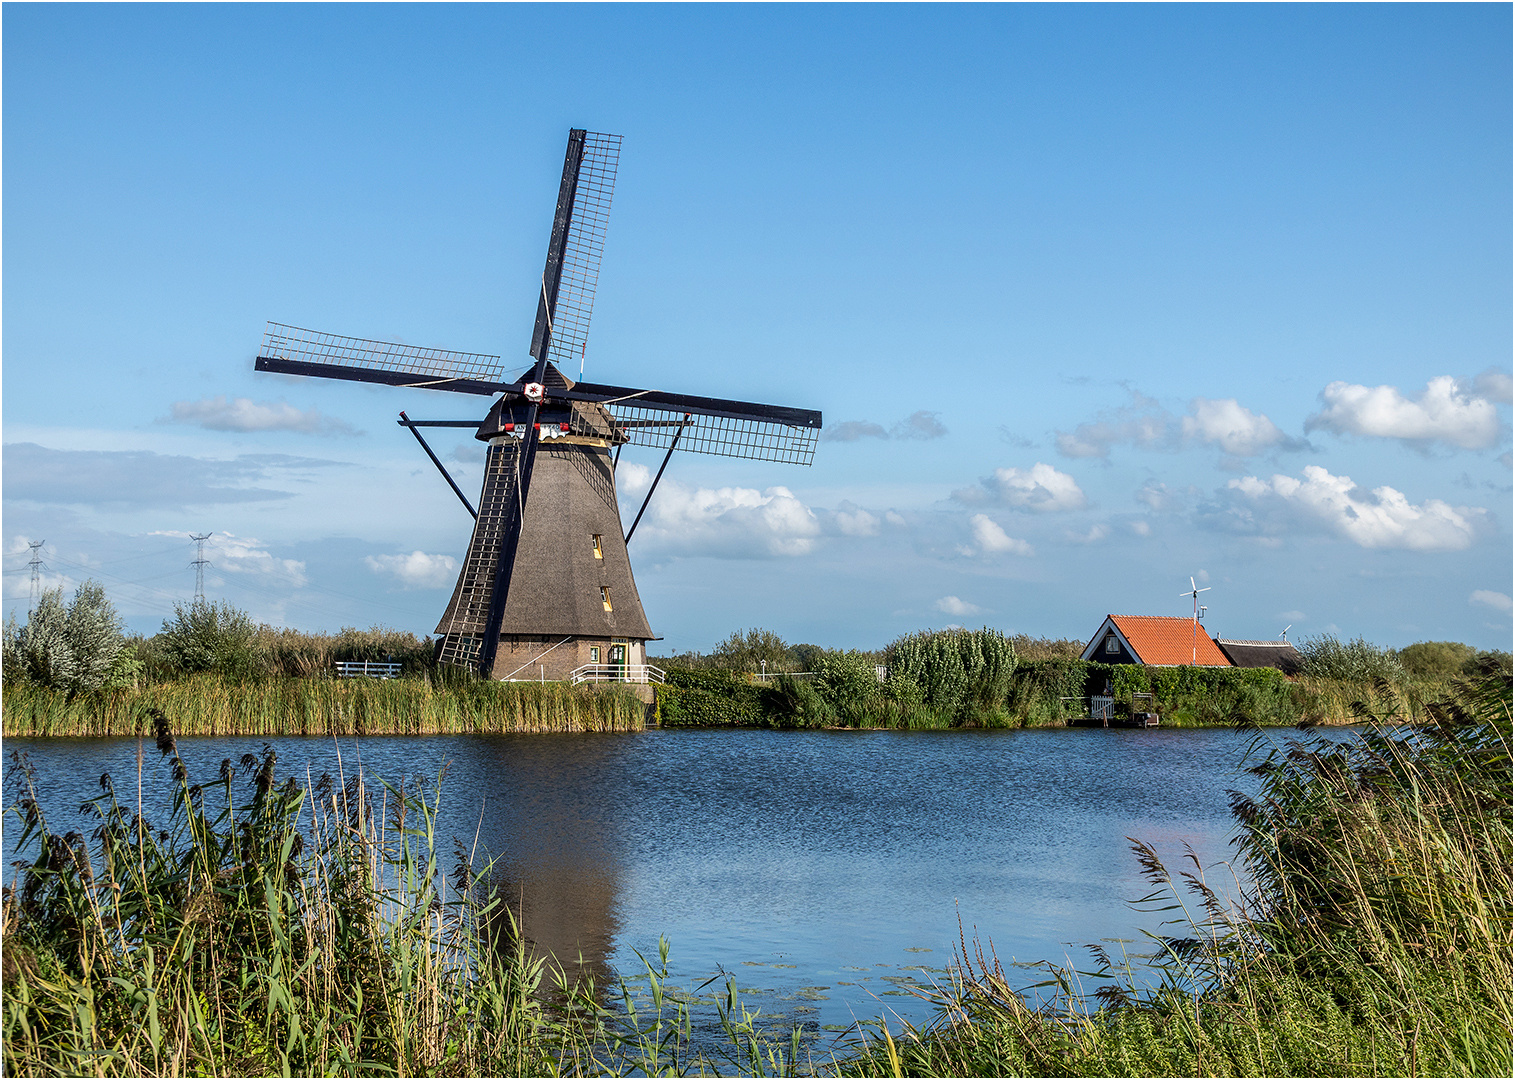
(1112, 644)
(605, 597)
(594, 654)
(599, 552)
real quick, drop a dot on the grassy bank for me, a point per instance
(211, 704)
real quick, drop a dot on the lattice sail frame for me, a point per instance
(339, 350)
(722, 436)
(583, 250)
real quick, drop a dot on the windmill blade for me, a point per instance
(575, 247)
(293, 350)
(724, 436)
(700, 425)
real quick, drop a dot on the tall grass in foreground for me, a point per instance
(274, 929)
(213, 705)
(305, 931)
(1376, 940)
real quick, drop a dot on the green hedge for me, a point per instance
(708, 698)
(1037, 693)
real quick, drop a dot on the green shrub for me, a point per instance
(75, 648)
(961, 673)
(750, 650)
(1039, 690)
(842, 678)
(708, 698)
(1435, 659)
(210, 637)
(1327, 657)
(792, 702)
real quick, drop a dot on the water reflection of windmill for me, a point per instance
(546, 588)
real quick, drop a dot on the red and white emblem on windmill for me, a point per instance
(534, 392)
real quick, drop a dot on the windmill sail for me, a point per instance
(575, 248)
(754, 438)
(294, 350)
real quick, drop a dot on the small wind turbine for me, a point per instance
(1194, 591)
(1284, 634)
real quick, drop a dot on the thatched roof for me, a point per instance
(1257, 654)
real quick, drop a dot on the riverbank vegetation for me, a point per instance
(215, 704)
(72, 671)
(961, 678)
(267, 927)
(1375, 940)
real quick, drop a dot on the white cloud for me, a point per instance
(1143, 423)
(1236, 430)
(1494, 384)
(1221, 422)
(727, 522)
(245, 555)
(921, 424)
(417, 570)
(1095, 534)
(853, 430)
(1444, 411)
(993, 540)
(951, 605)
(1384, 519)
(244, 414)
(894, 517)
(1141, 528)
(855, 521)
(1040, 488)
(1496, 600)
(634, 479)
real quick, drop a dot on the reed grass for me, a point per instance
(214, 705)
(304, 931)
(1375, 941)
(307, 930)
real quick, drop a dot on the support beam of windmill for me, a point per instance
(547, 558)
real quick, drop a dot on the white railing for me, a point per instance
(633, 673)
(348, 669)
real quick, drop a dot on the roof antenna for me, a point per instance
(1284, 634)
(1194, 591)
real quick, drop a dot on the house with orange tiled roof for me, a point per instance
(1159, 640)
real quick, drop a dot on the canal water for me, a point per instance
(828, 871)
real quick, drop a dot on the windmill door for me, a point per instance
(618, 661)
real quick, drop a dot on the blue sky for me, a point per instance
(1093, 299)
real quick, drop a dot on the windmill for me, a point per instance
(547, 584)
(1199, 613)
